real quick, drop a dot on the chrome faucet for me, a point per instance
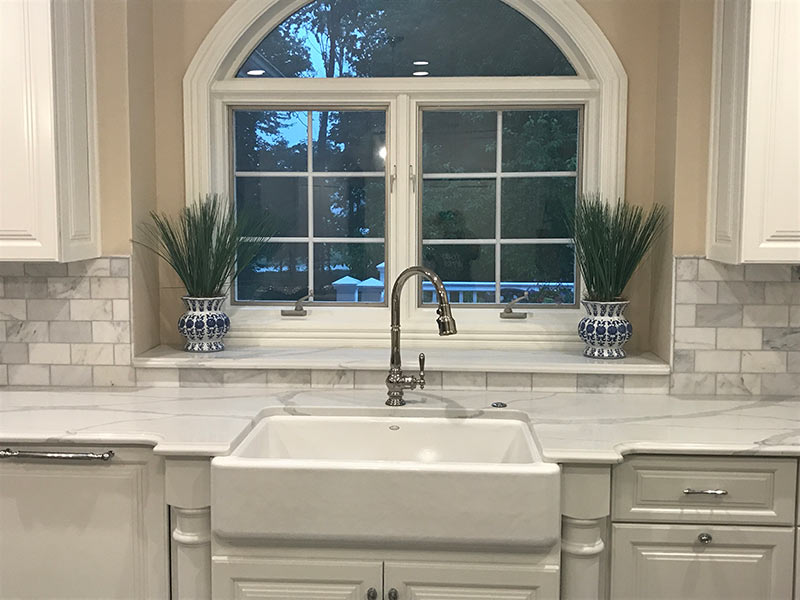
(396, 382)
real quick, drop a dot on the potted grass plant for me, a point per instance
(204, 246)
(611, 240)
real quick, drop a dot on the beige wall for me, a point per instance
(664, 45)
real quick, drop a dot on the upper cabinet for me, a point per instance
(48, 192)
(754, 190)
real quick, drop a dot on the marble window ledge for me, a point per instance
(377, 359)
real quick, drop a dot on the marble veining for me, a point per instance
(571, 427)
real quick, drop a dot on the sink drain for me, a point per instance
(394, 427)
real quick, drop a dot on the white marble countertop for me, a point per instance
(570, 427)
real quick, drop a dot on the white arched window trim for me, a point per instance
(211, 86)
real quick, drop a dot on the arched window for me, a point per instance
(451, 133)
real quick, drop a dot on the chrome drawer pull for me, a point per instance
(9, 453)
(704, 538)
(691, 492)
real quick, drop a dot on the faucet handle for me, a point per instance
(421, 370)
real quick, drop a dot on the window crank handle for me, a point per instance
(421, 370)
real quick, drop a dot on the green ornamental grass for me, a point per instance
(611, 240)
(204, 246)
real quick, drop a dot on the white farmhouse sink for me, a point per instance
(388, 480)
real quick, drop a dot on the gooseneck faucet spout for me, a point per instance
(396, 381)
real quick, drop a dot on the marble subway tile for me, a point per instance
(740, 292)
(695, 338)
(28, 375)
(601, 384)
(793, 362)
(244, 378)
(794, 316)
(782, 338)
(157, 377)
(13, 353)
(686, 269)
(3, 330)
(718, 315)
(4, 375)
(288, 378)
(696, 292)
(12, 269)
(114, 376)
(91, 310)
(763, 361)
(685, 315)
(738, 384)
(48, 354)
(25, 287)
(67, 287)
(739, 338)
(463, 380)
(121, 310)
(683, 361)
(71, 375)
(48, 310)
(555, 382)
(332, 379)
(717, 361)
(200, 377)
(120, 267)
(781, 384)
(693, 383)
(372, 380)
(42, 269)
(519, 382)
(2, 287)
(71, 331)
(113, 332)
(27, 331)
(433, 380)
(709, 270)
(766, 316)
(13, 310)
(96, 267)
(109, 287)
(646, 384)
(92, 354)
(768, 272)
(122, 354)
(786, 292)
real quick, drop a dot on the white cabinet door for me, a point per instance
(666, 562)
(754, 190)
(48, 195)
(468, 581)
(83, 529)
(270, 579)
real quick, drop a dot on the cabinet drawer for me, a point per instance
(737, 490)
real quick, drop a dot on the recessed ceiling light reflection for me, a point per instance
(256, 72)
(382, 152)
(420, 73)
(420, 63)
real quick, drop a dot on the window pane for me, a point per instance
(540, 140)
(280, 274)
(467, 271)
(349, 207)
(348, 272)
(537, 207)
(547, 271)
(459, 142)
(349, 140)
(285, 199)
(271, 140)
(364, 38)
(458, 208)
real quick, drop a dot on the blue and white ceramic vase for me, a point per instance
(204, 324)
(605, 329)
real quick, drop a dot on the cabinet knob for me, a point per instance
(393, 595)
(372, 594)
(704, 538)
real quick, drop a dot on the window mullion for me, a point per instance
(498, 205)
(310, 162)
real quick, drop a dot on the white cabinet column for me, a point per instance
(189, 496)
(585, 508)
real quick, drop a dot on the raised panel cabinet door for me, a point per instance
(240, 578)
(83, 529)
(469, 581)
(698, 562)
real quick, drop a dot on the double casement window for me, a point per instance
(455, 134)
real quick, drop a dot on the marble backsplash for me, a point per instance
(736, 329)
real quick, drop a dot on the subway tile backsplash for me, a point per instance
(736, 328)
